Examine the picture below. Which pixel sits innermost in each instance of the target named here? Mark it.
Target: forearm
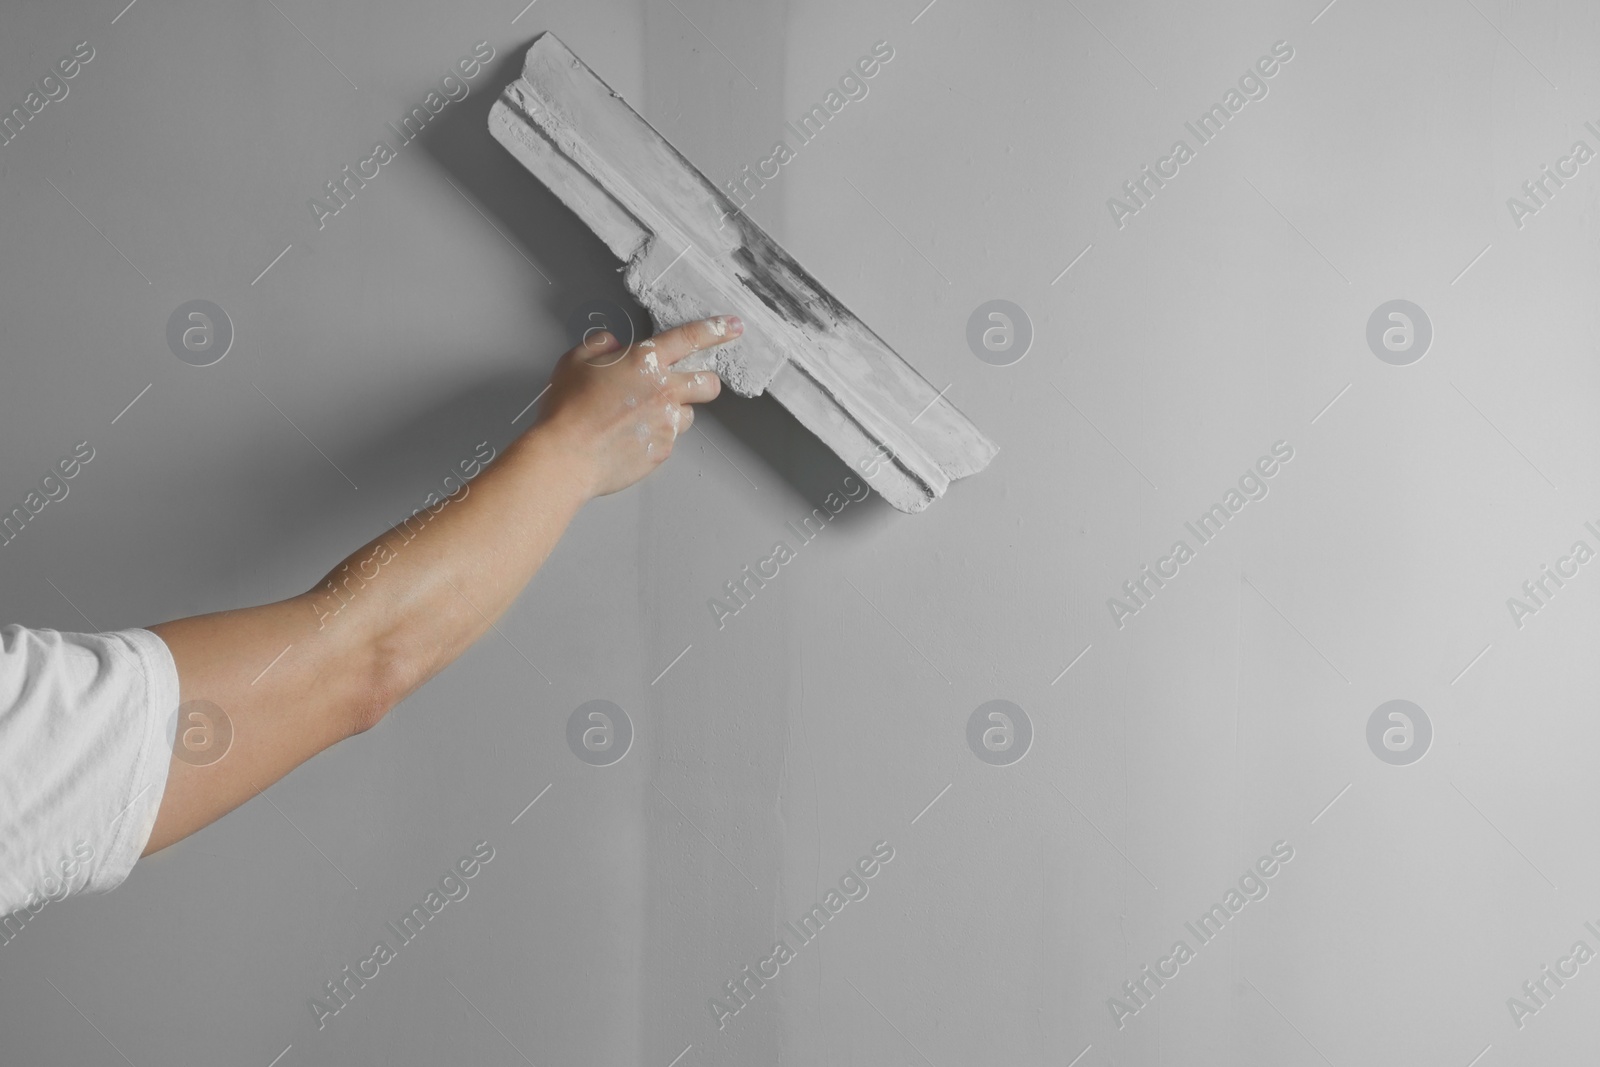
(297, 676)
(294, 677)
(422, 592)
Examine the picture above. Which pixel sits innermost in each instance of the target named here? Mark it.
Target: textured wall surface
(1182, 730)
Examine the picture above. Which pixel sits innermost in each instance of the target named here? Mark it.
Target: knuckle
(699, 386)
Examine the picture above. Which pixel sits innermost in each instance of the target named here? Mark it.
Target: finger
(682, 421)
(673, 422)
(680, 341)
(695, 388)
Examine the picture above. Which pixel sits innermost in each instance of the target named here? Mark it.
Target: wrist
(564, 469)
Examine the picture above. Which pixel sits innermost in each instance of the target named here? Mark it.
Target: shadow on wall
(419, 446)
(581, 269)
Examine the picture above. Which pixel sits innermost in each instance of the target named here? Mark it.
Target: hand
(616, 411)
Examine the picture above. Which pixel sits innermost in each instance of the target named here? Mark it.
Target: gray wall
(1224, 717)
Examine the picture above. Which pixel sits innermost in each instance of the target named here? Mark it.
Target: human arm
(297, 676)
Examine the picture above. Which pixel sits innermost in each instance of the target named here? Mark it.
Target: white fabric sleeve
(87, 723)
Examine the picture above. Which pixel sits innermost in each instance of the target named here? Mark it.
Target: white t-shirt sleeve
(86, 729)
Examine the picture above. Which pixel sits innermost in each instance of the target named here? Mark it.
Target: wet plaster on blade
(690, 253)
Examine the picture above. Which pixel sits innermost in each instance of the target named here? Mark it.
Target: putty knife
(690, 252)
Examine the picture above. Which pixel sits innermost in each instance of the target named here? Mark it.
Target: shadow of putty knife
(690, 253)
